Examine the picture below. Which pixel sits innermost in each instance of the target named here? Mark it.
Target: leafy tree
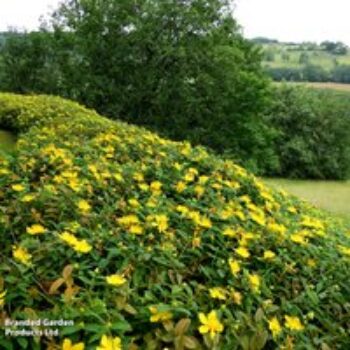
(180, 67)
(313, 129)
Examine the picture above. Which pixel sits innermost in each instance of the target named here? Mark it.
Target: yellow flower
(229, 232)
(134, 202)
(205, 222)
(254, 281)
(236, 297)
(218, 293)
(84, 206)
(269, 255)
(110, 343)
(136, 229)
(128, 220)
(199, 190)
(180, 186)
(68, 238)
(293, 323)
(275, 327)
(344, 250)
(18, 187)
(36, 229)
(82, 246)
(159, 221)
(2, 298)
(22, 255)
(68, 345)
(156, 187)
(298, 238)
(210, 324)
(243, 252)
(159, 316)
(27, 198)
(234, 266)
(116, 280)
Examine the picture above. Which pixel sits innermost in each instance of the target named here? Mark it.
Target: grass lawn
(333, 196)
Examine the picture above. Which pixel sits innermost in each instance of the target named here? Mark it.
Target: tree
(181, 67)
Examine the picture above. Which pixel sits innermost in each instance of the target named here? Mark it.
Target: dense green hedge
(152, 244)
(313, 133)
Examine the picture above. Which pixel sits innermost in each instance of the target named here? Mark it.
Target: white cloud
(23, 13)
(295, 20)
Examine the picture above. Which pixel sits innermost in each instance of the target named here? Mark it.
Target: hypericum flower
(128, 220)
(269, 255)
(210, 324)
(218, 293)
(68, 345)
(159, 316)
(82, 246)
(116, 280)
(254, 281)
(21, 254)
(293, 323)
(236, 297)
(180, 186)
(275, 327)
(84, 206)
(160, 221)
(110, 343)
(68, 238)
(36, 229)
(344, 250)
(156, 186)
(205, 222)
(234, 266)
(258, 217)
(229, 232)
(298, 238)
(18, 187)
(243, 252)
(136, 229)
(2, 298)
(199, 190)
(134, 202)
(27, 198)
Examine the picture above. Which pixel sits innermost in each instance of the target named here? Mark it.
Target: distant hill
(306, 61)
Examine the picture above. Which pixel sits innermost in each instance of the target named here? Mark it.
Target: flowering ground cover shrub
(146, 243)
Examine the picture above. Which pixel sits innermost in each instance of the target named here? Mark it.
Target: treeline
(182, 69)
(311, 73)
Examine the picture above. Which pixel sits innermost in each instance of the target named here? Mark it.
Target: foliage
(149, 243)
(181, 68)
(314, 133)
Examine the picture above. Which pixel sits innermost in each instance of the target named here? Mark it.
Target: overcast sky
(287, 20)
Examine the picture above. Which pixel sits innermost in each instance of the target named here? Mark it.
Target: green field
(334, 196)
(283, 55)
(330, 86)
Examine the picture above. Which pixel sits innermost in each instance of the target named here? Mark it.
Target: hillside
(306, 61)
(147, 243)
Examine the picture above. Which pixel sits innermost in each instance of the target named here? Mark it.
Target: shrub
(157, 244)
(180, 68)
(314, 133)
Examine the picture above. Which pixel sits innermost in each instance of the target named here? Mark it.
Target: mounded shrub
(147, 243)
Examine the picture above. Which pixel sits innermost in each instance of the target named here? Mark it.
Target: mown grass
(333, 196)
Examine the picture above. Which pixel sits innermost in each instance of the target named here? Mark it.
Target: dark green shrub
(314, 133)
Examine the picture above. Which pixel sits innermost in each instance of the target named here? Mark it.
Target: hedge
(146, 243)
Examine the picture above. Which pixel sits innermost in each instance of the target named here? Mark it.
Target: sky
(285, 20)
